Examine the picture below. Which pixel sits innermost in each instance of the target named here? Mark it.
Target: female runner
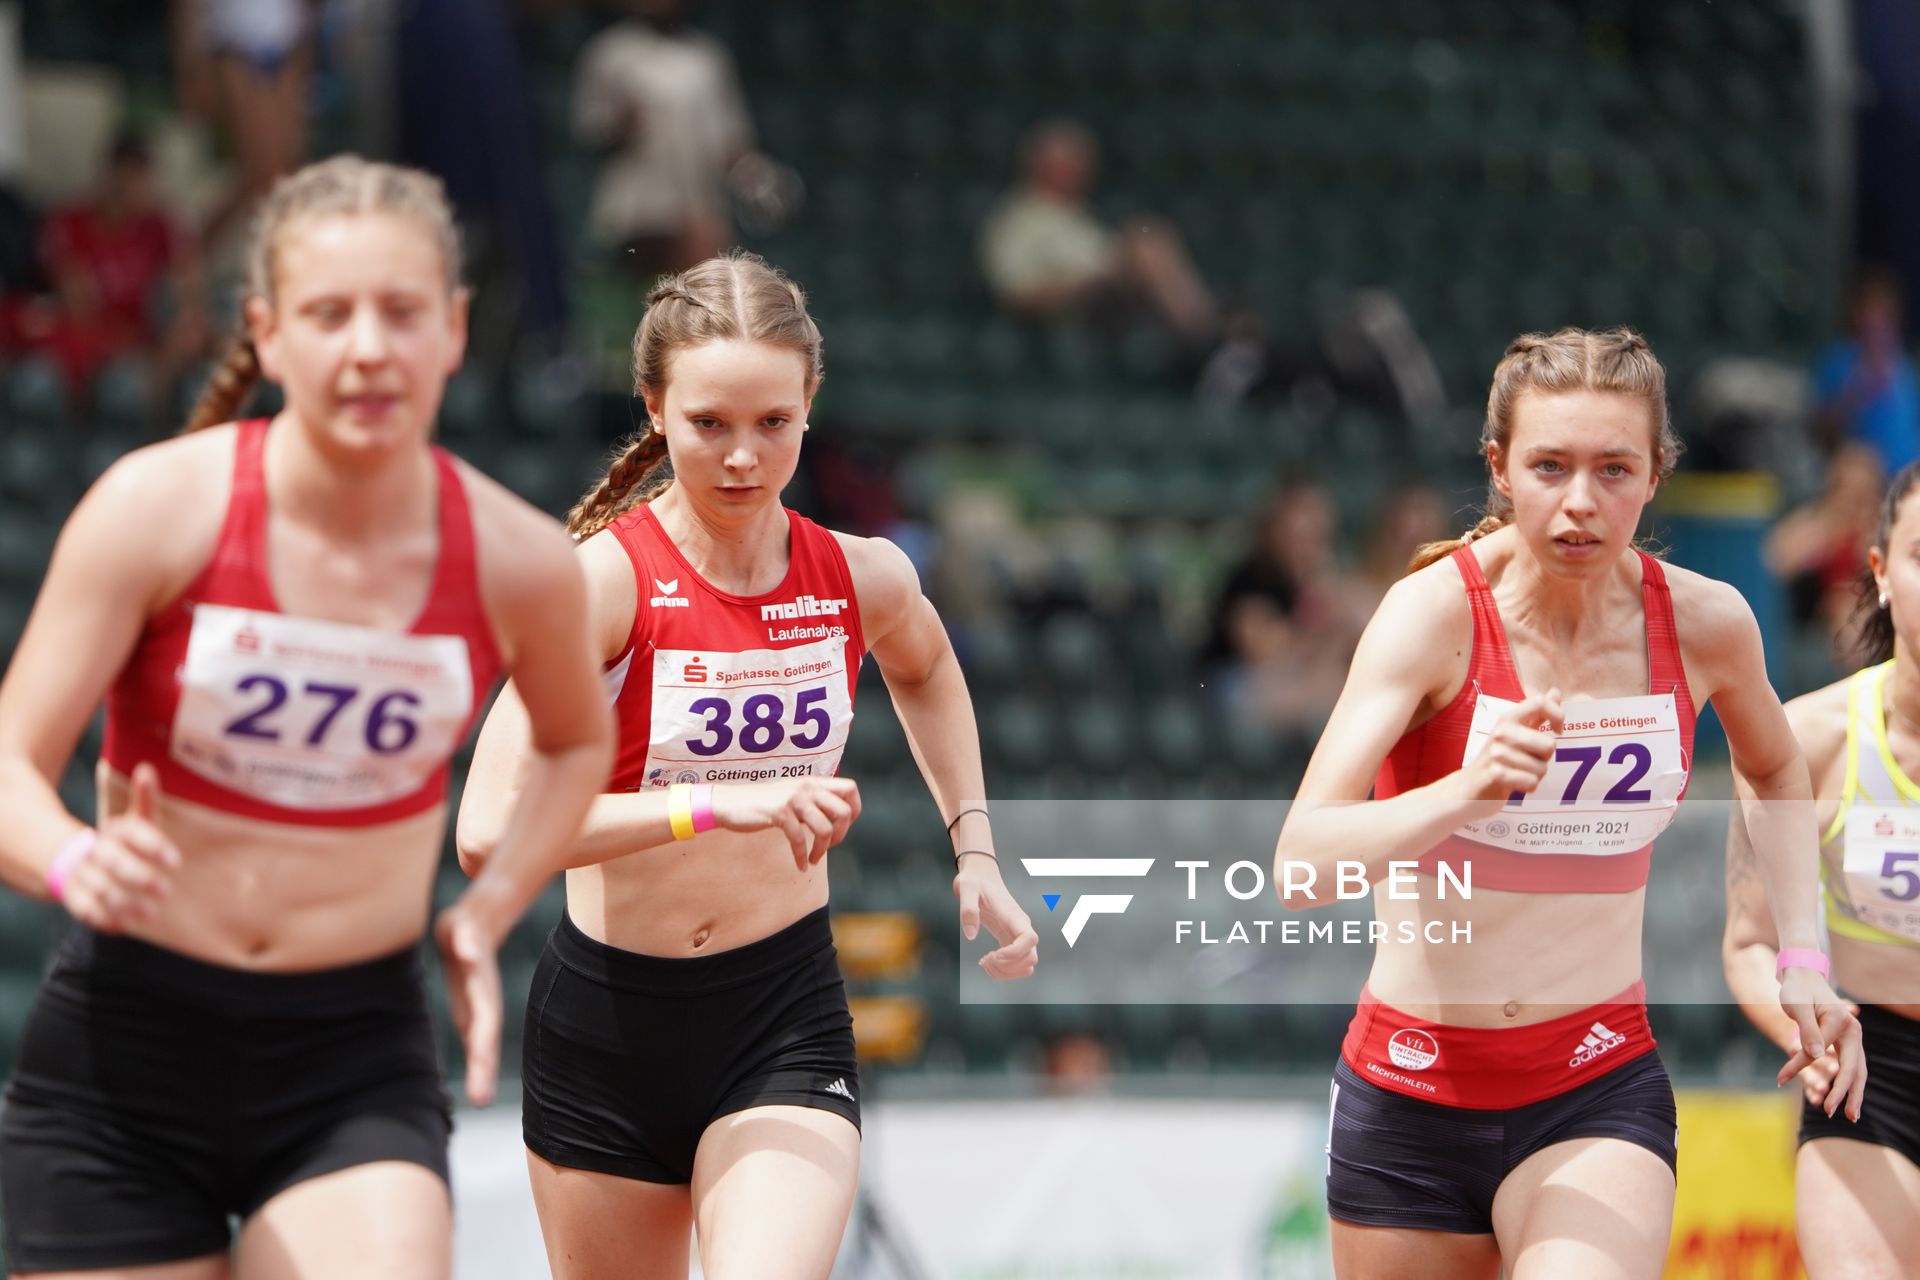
(1521, 709)
(1857, 1185)
(293, 623)
(689, 1054)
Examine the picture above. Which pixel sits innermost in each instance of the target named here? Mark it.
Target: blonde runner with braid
(688, 1031)
(292, 622)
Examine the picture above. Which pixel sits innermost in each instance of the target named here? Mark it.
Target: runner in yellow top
(1857, 1181)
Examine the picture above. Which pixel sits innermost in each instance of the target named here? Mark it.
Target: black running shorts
(1890, 1112)
(1395, 1161)
(157, 1095)
(628, 1058)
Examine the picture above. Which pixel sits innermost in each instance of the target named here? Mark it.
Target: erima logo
(1599, 1039)
(667, 599)
(804, 607)
(840, 1087)
(1091, 904)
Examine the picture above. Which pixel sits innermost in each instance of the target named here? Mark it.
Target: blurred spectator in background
(245, 66)
(464, 115)
(1818, 550)
(1045, 254)
(1864, 384)
(1077, 1064)
(662, 102)
(1287, 618)
(108, 260)
(1412, 515)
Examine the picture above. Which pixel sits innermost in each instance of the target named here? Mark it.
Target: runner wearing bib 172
(689, 1051)
(290, 649)
(1857, 1185)
(1518, 719)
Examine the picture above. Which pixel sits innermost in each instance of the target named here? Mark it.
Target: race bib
(748, 716)
(1882, 868)
(1614, 783)
(317, 715)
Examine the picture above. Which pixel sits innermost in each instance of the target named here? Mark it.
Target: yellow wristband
(680, 810)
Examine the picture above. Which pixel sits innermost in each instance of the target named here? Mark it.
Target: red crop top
(714, 687)
(1436, 748)
(252, 711)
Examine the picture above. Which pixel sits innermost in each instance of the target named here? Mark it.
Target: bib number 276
(388, 728)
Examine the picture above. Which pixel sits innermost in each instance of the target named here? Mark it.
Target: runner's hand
(469, 954)
(813, 813)
(1517, 751)
(984, 900)
(129, 874)
(1825, 1024)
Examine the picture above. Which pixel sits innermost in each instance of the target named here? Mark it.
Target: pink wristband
(703, 807)
(76, 850)
(1800, 958)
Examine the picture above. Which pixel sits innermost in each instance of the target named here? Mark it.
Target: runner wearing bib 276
(1492, 1092)
(293, 624)
(1857, 1185)
(689, 1052)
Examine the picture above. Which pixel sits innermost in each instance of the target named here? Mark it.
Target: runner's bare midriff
(722, 891)
(277, 897)
(1533, 956)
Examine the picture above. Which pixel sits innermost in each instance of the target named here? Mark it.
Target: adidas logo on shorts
(840, 1087)
(1599, 1039)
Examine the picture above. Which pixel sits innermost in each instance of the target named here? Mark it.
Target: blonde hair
(1615, 360)
(736, 296)
(344, 184)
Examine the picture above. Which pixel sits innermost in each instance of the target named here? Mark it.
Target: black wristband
(963, 813)
(959, 854)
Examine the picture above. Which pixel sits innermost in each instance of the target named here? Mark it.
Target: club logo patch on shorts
(1412, 1050)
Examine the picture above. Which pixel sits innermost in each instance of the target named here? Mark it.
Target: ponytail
(633, 477)
(1428, 552)
(228, 387)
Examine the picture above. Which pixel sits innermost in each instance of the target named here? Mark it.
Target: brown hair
(737, 296)
(345, 184)
(1617, 360)
(1873, 621)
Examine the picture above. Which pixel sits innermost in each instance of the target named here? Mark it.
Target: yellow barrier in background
(1733, 1213)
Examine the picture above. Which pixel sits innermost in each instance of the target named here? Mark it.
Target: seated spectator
(662, 103)
(1864, 384)
(1819, 550)
(106, 259)
(1045, 254)
(1413, 515)
(1288, 616)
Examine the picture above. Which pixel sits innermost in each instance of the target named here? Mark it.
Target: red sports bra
(1436, 748)
(714, 687)
(252, 711)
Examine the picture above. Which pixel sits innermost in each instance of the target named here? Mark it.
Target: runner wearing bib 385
(293, 624)
(1857, 1185)
(1519, 716)
(689, 1051)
